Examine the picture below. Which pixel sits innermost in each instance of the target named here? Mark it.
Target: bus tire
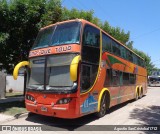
(137, 95)
(103, 106)
(140, 94)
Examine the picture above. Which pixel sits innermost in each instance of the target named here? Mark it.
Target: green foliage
(116, 32)
(19, 25)
(149, 65)
(20, 21)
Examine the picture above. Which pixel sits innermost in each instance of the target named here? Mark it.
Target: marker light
(64, 101)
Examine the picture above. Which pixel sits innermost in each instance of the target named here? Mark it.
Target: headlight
(30, 97)
(64, 101)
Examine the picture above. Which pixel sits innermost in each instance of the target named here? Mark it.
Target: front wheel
(103, 107)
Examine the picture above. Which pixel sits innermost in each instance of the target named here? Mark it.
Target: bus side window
(86, 77)
(108, 80)
(123, 52)
(106, 43)
(91, 37)
(132, 78)
(115, 78)
(125, 78)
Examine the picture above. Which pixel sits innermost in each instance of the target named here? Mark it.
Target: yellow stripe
(74, 67)
(98, 67)
(140, 89)
(136, 90)
(100, 97)
(17, 67)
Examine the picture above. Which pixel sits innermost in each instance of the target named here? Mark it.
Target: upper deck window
(67, 33)
(60, 34)
(44, 37)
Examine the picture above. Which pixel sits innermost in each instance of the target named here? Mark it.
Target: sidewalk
(5, 118)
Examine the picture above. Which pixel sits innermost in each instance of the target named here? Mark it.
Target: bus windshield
(67, 33)
(52, 71)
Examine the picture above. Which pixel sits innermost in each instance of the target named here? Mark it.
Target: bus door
(89, 68)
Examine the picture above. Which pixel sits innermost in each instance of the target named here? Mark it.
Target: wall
(16, 85)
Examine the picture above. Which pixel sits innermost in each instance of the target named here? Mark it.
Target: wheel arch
(104, 90)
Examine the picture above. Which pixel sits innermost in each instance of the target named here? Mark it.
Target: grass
(13, 94)
(12, 108)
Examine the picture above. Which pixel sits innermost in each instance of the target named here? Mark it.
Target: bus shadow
(80, 124)
(58, 124)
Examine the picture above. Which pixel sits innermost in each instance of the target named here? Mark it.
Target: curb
(17, 116)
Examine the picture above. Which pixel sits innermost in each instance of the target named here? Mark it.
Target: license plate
(43, 109)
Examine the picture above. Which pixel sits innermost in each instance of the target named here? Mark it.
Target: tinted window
(66, 34)
(91, 44)
(44, 37)
(135, 59)
(130, 56)
(115, 78)
(132, 78)
(90, 57)
(123, 52)
(108, 80)
(112, 46)
(125, 78)
(91, 36)
(116, 48)
(106, 43)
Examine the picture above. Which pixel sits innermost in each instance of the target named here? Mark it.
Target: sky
(140, 17)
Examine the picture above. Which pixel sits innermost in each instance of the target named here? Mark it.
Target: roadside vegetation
(13, 108)
(21, 21)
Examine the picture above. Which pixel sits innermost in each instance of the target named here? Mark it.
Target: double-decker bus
(154, 79)
(75, 68)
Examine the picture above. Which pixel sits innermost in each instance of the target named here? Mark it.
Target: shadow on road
(149, 116)
(71, 124)
(61, 124)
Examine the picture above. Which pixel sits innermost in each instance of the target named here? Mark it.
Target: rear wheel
(103, 106)
(141, 94)
(137, 96)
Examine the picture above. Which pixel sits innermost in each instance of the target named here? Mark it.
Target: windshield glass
(36, 73)
(44, 37)
(154, 79)
(66, 33)
(56, 72)
(60, 34)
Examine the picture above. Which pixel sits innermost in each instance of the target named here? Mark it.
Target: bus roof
(87, 22)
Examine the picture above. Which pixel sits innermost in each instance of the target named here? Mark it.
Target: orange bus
(75, 68)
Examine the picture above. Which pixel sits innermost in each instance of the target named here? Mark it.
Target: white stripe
(122, 96)
(93, 103)
(31, 105)
(59, 108)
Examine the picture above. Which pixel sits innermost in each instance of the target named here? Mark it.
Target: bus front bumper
(64, 111)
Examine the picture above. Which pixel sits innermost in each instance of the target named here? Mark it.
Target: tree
(19, 25)
(149, 65)
(20, 22)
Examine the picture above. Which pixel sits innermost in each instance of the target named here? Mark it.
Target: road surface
(145, 111)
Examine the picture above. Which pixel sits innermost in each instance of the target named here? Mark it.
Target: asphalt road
(145, 111)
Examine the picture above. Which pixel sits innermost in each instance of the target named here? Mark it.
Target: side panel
(126, 89)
